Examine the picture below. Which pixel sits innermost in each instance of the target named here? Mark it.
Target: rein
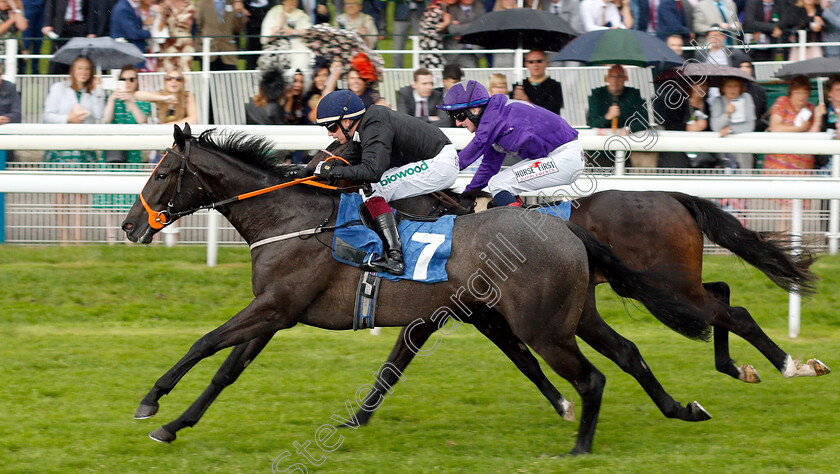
(161, 219)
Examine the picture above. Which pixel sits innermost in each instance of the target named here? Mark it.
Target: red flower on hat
(364, 67)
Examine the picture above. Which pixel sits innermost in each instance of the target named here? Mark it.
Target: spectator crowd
(291, 86)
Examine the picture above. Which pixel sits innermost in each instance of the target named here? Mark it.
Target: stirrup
(384, 264)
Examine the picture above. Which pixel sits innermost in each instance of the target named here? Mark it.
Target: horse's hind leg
(739, 321)
(723, 361)
(604, 339)
(256, 320)
(406, 347)
(236, 362)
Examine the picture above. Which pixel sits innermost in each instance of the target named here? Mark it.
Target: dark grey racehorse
(498, 271)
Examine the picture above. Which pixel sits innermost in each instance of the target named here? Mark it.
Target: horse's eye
(161, 176)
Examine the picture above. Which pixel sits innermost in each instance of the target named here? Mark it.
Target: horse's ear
(180, 138)
(187, 130)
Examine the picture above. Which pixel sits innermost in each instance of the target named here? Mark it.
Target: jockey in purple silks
(547, 144)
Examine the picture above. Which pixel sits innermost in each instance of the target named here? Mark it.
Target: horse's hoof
(145, 411)
(698, 412)
(749, 375)
(819, 367)
(568, 410)
(162, 436)
(577, 452)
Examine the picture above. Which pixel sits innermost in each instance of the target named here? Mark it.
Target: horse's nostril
(127, 227)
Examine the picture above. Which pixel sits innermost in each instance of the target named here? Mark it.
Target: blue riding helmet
(464, 95)
(338, 105)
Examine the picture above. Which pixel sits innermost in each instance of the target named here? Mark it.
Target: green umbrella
(618, 46)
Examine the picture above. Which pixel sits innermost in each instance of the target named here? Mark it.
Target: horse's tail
(770, 252)
(668, 307)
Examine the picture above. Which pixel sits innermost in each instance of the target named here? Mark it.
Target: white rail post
(415, 51)
(10, 70)
(834, 210)
(795, 300)
(205, 80)
(620, 158)
(170, 234)
(802, 37)
(212, 238)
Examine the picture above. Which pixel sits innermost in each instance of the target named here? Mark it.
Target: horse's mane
(258, 151)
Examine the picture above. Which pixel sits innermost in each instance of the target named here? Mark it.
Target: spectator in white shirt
(600, 15)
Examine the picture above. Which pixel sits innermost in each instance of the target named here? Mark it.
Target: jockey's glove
(328, 170)
(300, 171)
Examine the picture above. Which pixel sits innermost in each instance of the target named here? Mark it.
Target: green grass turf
(87, 330)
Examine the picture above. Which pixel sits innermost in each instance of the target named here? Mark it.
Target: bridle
(160, 219)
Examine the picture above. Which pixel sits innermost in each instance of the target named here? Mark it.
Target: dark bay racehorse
(654, 231)
(537, 287)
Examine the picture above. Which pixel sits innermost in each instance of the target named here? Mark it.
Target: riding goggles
(459, 115)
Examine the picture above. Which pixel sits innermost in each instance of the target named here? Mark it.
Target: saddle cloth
(561, 209)
(426, 245)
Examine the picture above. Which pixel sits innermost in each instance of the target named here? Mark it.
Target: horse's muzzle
(134, 233)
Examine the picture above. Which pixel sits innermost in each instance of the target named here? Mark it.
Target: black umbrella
(815, 67)
(705, 70)
(519, 28)
(619, 46)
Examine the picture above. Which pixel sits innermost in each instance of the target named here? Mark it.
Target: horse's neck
(275, 213)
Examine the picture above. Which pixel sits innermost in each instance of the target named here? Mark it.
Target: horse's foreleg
(603, 338)
(404, 351)
(257, 319)
(739, 321)
(564, 356)
(231, 368)
(500, 333)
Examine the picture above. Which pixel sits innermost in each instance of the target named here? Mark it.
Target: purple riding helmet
(462, 97)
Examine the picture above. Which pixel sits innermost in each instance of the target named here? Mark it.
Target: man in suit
(568, 10)
(758, 20)
(66, 18)
(463, 14)
(218, 19)
(711, 14)
(126, 23)
(100, 17)
(675, 17)
(421, 98)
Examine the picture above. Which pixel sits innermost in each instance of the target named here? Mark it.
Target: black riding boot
(386, 226)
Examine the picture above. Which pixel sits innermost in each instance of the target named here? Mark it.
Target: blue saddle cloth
(426, 245)
(561, 209)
